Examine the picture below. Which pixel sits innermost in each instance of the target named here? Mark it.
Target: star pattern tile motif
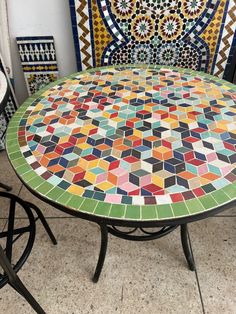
(131, 136)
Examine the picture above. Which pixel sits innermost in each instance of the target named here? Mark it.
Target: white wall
(41, 18)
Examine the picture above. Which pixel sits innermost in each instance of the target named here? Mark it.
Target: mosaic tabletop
(131, 142)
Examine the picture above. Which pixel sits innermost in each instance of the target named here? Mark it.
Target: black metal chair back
(4, 96)
(9, 236)
(12, 233)
(6, 93)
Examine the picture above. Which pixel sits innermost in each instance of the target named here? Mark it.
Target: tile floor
(149, 277)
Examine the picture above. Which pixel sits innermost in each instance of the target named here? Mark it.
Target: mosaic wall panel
(38, 59)
(193, 34)
(9, 111)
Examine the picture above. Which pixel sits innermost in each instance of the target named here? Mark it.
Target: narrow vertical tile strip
(38, 59)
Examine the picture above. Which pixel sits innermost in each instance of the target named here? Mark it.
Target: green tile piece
(28, 176)
(88, 205)
(194, 206)
(164, 211)
(179, 209)
(132, 212)
(64, 198)
(54, 193)
(220, 197)
(208, 201)
(18, 162)
(44, 188)
(117, 211)
(230, 190)
(75, 202)
(15, 155)
(12, 147)
(11, 128)
(149, 212)
(35, 182)
(102, 209)
(23, 169)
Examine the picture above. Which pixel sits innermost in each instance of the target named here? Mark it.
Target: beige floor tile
(7, 173)
(7, 176)
(2, 223)
(214, 245)
(149, 277)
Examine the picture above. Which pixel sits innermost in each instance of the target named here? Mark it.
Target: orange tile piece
(162, 153)
(210, 176)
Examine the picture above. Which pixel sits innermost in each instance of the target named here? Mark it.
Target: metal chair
(4, 95)
(14, 233)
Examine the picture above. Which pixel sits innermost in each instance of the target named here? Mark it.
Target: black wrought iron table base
(144, 236)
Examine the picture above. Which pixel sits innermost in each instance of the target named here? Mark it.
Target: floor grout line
(228, 216)
(20, 189)
(4, 225)
(196, 275)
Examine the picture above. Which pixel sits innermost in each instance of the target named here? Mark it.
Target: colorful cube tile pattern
(38, 59)
(184, 33)
(132, 142)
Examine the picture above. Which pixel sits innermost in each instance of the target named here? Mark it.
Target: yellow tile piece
(222, 125)
(169, 122)
(91, 177)
(64, 139)
(138, 133)
(103, 164)
(204, 181)
(185, 109)
(31, 119)
(93, 163)
(158, 181)
(105, 186)
(76, 190)
(39, 106)
(84, 145)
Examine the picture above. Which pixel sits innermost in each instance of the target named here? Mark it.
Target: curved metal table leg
(186, 247)
(102, 254)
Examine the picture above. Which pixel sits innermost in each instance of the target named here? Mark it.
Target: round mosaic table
(135, 146)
